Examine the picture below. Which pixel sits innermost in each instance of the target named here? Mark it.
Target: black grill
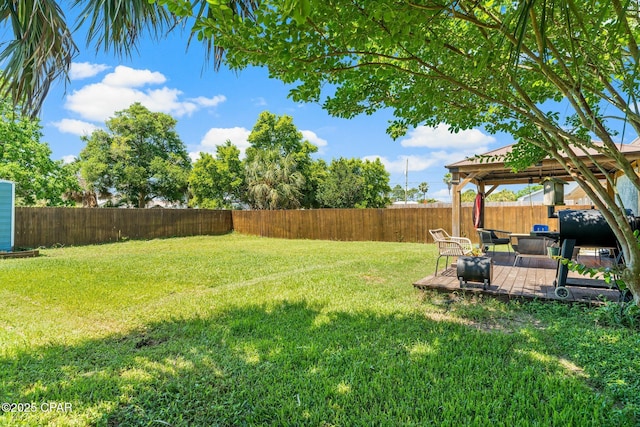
(587, 227)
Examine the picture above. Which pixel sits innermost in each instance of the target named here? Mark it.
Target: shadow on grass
(293, 364)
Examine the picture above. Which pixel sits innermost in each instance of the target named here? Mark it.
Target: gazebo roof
(496, 173)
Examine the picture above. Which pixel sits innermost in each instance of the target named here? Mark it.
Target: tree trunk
(631, 274)
(142, 200)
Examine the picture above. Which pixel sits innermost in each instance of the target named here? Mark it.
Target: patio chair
(450, 246)
(490, 237)
(439, 234)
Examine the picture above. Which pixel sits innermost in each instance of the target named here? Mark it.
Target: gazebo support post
(456, 202)
(456, 208)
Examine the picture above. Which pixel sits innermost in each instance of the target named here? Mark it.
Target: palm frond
(117, 25)
(40, 52)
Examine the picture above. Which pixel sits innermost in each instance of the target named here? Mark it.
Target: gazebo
(489, 174)
(537, 276)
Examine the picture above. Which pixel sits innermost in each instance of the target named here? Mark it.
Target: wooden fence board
(391, 225)
(37, 227)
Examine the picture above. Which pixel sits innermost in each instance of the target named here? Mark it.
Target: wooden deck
(532, 279)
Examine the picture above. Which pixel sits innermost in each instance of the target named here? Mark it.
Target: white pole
(406, 181)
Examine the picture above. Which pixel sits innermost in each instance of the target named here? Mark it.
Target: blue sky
(212, 107)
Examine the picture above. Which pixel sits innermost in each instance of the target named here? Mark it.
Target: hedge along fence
(37, 227)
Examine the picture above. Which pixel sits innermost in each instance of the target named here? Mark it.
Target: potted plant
(553, 250)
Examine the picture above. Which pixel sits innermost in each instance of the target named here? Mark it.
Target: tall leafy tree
(140, 156)
(376, 185)
(344, 184)
(25, 160)
(353, 183)
(217, 182)
(398, 194)
(499, 64)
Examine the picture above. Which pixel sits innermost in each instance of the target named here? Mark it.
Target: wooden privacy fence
(37, 227)
(389, 225)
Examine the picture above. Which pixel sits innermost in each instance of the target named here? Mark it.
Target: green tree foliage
(278, 135)
(344, 184)
(274, 181)
(354, 183)
(25, 160)
(140, 156)
(500, 64)
(318, 174)
(397, 193)
(468, 196)
(376, 185)
(217, 182)
(502, 196)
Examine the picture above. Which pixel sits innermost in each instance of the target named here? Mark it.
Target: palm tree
(423, 187)
(42, 46)
(274, 182)
(448, 179)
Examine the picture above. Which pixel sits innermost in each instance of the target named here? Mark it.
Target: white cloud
(259, 101)
(440, 137)
(124, 86)
(416, 163)
(218, 136)
(443, 195)
(75, 127)
(209, 102)
(131, 77)
(68, 159)
(83, 70)
(313, 138)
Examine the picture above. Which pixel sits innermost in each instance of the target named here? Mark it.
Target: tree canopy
(280, 136)
(352, 183)
(217, 182)
(25, 160)
(278, 172)
(140, 156)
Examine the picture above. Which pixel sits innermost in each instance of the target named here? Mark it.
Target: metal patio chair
(490, 237)
(450, 246)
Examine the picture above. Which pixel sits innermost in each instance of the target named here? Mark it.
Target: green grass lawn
(237, 330)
